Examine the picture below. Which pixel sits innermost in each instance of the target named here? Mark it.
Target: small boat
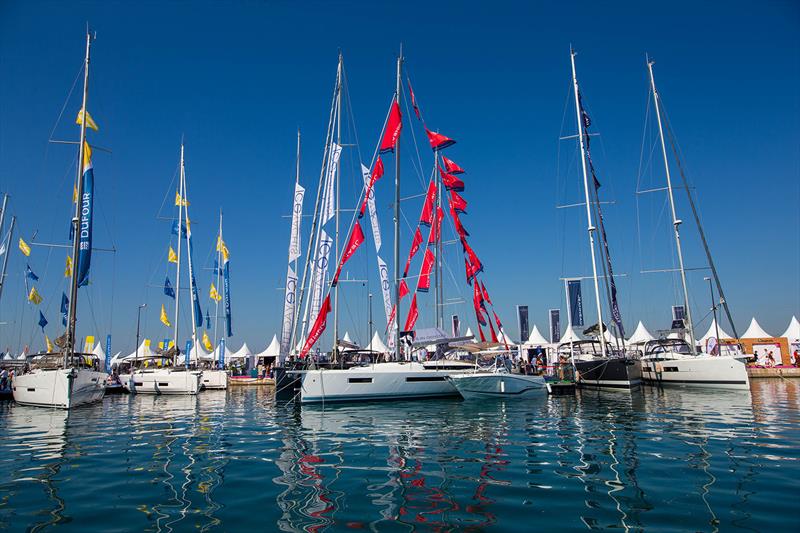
(176, 380)
(114, 385)
(247, 381)
(497, 383)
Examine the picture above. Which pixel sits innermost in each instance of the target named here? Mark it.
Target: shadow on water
(655, 458)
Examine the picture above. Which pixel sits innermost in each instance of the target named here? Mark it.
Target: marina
(498, 288)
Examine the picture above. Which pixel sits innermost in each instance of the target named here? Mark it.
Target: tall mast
(73, 287)
(181, 198)
(675, 220)
(591, 227)
(396, 332)
(8, 246)
(219, 278)
(336, 210)
(192, 289)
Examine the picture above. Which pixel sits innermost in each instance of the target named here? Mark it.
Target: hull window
(359, 380)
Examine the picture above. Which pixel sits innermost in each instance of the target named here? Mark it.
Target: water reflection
(671, 458)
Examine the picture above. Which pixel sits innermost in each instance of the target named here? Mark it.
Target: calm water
(670, 460)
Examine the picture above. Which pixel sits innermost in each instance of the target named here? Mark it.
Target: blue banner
(575, 302)
(555, 325)
(221, 355)
(84, 259)
(198, 313)
(226, 277)
(108, 353)
(187, 354)
(64, 309)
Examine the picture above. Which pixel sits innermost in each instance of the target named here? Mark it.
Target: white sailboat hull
(384, 381)
(498, 385)
(59, 388)
(723, 372)
(214, 379)
(163, 381)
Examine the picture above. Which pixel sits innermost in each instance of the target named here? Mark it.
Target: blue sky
(237, 80)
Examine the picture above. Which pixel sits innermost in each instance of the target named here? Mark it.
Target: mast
(591, 227)
(73, 286)
(337, 209)
(5, 256)
(396, 332)
(181, 197)
(219, 277)
(675, 220)
(7, 244)
(192, 289)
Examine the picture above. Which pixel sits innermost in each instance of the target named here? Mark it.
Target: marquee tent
(640, 335)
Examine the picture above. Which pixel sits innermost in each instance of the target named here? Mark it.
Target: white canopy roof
(503, 336)
(144, 351)
(377, 345)
(793, 331)
(469, 333)
(228, 352)
(7, 357)
(536, 338)
(99, 352)
(755, 331)
(273, 350)
(610, 338)
(242, 353)
(22, 356)
(712, 332)
(571, 335)
(640, 335)
(347, 338)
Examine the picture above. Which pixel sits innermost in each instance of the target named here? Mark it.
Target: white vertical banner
(321, 260)
(386, 287)
(329, 197)
(373, 213)
(289, 302)
(297, 215)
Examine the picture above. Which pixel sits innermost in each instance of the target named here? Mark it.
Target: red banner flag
(469, 272)
(414, 249)
(451, 167)
(413, 314)
(393, 126)
(424, 283)
(477, 302)
(451, 182)
(486, 294)
(460, 229)
(319, 326)
(377, 173)
(457, 202)
(403, 289)
(438, 141)
(414, 101)
(356, 238)
(436, 229)
(497, 321)
(426, 217)
(483, 337)
(491, 330)
(474, 262)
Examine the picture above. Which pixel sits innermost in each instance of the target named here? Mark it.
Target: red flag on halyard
(497, 320)
(403, 289)
(477, 302)
(438, 141)
(486, 294)
(413, 314)
(479, 315)
(457, 202)
(413, 101)
(355, 240)
(319, 326)
(491, 330)
(414, 248)
(377, 173)
(460, 229)
(451, 166)
(469, 272)
(393, 126)
(424, 282)
(483, 337)
(474, 262)
(436, 229)
(451, 182)
(426, 217)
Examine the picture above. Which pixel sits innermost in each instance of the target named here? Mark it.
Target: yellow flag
(89, 122)
(172, 257)
(34, 296)
(207, 342)
(87, 156)
(74, 194)
(179, 201)
(89, 344)
(214, 294)
(221, 247)
(164, 319)
(161, 345)
(68, 268)
(49, 344)
(24, 248)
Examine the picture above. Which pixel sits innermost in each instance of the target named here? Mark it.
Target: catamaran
(175, 379)
(69, 378)
(605, 368)
(674, 361)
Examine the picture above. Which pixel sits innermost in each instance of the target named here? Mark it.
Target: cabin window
(424, 378)
(670, 369)
(359, 380)
(163, 384)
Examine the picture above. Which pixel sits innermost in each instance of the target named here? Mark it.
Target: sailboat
(674, 361)
(69, 379)
(174, 379)
(596, 364)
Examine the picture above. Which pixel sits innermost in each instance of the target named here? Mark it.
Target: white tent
(469, 334)
(503, 337)
(610, 338)
(792, 333)
(755, 331)
(712, 332)
(640, 335)
(571, 335)
(144, 351)
(347, 338)
(7, 357)
(101, 355)
(377, 345)
(536, 338)
(22, 356)
(273, 350)
(242, 353)
(228, 353)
